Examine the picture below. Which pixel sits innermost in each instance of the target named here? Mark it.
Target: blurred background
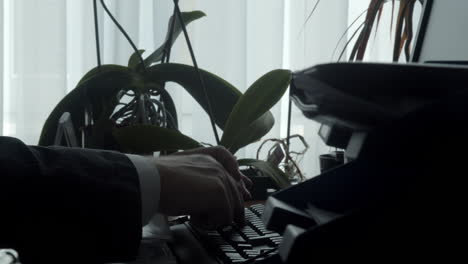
(48, 45)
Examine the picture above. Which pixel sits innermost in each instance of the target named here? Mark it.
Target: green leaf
(222, 95)
(100, 138)
(278, 176)
(96, 92)
(135, 59)
(148, 139)
(257, 100)
(103, 69)
(187, 17)
(254, 132)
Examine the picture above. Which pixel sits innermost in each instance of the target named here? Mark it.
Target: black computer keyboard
(234, 244)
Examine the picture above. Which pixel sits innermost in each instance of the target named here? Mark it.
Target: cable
(197, 70)
(135, 49)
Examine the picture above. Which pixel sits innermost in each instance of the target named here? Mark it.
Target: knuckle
(221, 148)
(215, 165)
(207, 158)
(222, 151)
(204, 159)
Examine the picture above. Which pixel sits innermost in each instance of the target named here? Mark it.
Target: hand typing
(205, 183)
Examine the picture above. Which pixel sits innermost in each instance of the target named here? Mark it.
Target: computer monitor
(442, 36)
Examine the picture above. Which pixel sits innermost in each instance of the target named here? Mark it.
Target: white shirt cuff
(150, 186)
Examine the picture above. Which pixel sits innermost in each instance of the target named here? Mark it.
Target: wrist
(161, 166)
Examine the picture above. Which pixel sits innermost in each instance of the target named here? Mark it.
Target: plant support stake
(200, 78)
(96, 32)
(124, 33)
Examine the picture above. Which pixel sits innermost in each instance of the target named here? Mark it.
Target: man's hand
(205, 183)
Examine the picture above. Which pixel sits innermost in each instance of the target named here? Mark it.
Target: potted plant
(403, 29)
(146, 125)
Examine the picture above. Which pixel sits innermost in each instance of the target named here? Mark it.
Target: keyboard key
(235, 244)
(252, 252)
(249, 232)
(226, 229)
(257, 209)
(243, 246)
(262, 240)
(237, 238)
(234, 255)
(228, 248)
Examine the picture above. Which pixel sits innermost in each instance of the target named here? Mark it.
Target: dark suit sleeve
(68, 205)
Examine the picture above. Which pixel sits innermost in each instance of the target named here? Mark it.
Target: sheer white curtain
(49, 45)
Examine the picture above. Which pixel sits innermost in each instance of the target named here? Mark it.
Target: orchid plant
(127, 108)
